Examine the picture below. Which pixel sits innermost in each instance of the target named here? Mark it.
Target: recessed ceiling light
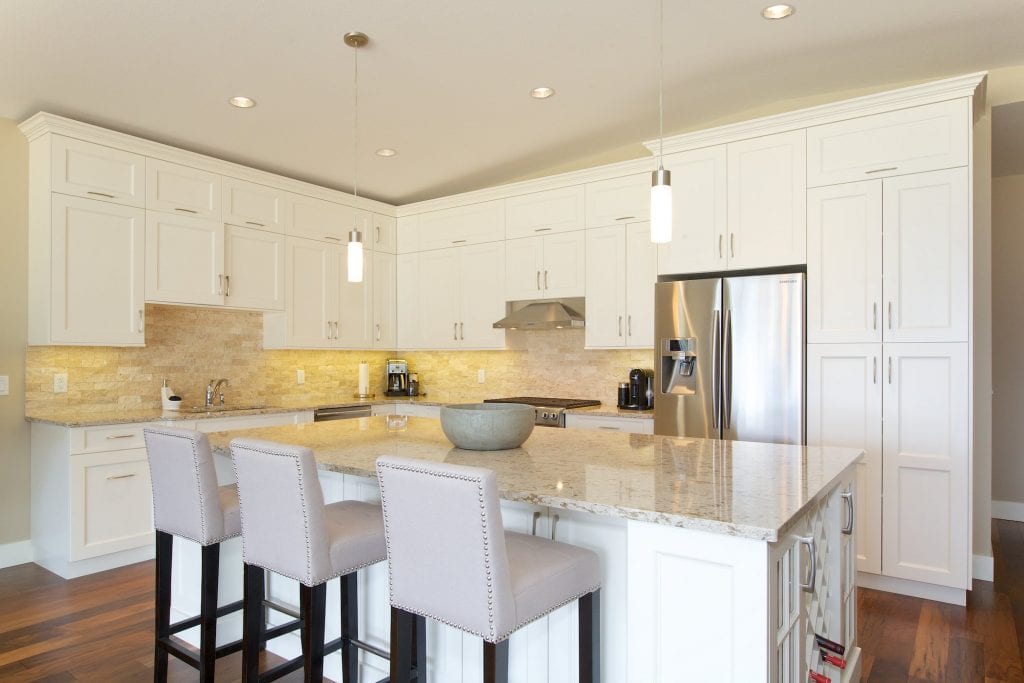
(777, 11)
(386, 152)
(542, 93)
(242, 102)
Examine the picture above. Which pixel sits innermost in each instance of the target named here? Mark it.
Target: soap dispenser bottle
(167, 398)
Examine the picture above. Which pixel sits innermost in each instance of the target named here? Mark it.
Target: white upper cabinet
(524, 265)
(924, 138)
(438, 295)
(408, 234)
(767, 191)
(407, 301)
(311, 290)
(844, 263)
(318, 219)
(97, 264)
(384, 300)
(620, 286)
(641, 276)
(925, 256)
(255, 206)
(481, 295)
(544, 212)
(384, 235)
(90, 170)
(699, 204)
(253, 268)
(470, 224)
(618, 201)
(184, 259)
(354, 326)
(550, 266)
(182, 190)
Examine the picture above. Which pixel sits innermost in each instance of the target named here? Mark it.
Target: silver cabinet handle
(554, 526)
(227, 285)
(890, 315)
(716, 360)
(890, 369)
(720, 246)
(378, 331)
(808, 542)
(874, 316)
(538, 280)
(220, 284)
(545, 280)
(120, 476)
(328, 329)
(542, 229)
(727, 371)
(111, 437)
(336, 332)
(732, 245)
(185, 210)
(376, 232)
(614, 429)
(140, 320)
(258, 225)
(331, 238)
(462, 329)
(848, 499)
(625, 218)
(882, 170)
(620, 325)
(536, 516)
(874, 369)
(455, 331)
(629, 325)
(100, 194)
(458, 241)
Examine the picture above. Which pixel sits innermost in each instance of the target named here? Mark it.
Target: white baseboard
(1008, 509)
(983, 568)
(915, 589)
(18, 552)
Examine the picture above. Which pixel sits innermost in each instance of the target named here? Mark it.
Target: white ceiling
(446, 83)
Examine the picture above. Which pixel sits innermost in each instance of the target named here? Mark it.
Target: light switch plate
(60, 383)
(480, 376)
(300, 376)
(5, 385)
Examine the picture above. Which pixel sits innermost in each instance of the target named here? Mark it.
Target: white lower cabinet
(630, 425)
(621, 272)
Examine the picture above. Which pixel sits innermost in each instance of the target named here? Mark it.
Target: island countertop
(750, 490)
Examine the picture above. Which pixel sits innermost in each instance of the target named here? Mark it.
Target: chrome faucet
(213, 389)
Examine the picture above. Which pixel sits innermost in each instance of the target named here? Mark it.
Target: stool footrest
(179, 626)
(286, 627)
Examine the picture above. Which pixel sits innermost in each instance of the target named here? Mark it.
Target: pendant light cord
(355, 126)
(661, 82)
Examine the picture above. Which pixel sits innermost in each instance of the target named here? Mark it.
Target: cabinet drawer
(223, 424)
(106, 438)
(473, 224)
(110, 503)
(924, 138)
(632, 425)
(182, 190)
(619, 200)
(98, 172)
(320, 220)
(541, 213)
(256, 206)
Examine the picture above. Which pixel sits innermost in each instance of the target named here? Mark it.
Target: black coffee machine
(640, 391)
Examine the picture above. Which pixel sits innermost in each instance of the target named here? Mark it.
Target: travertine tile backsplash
(189, 346)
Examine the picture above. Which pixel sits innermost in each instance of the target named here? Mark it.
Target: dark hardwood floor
(100, 628)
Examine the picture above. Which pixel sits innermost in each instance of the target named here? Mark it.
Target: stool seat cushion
(355, 532)
(546, 574)
(228, 496)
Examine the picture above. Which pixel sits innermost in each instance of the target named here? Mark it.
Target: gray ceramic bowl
(487, 426)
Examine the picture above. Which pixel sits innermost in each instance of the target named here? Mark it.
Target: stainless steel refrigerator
(730, 358)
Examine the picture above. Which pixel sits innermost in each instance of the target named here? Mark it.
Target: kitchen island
(721, 559)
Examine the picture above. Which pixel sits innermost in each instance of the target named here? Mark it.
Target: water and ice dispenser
(679, 366)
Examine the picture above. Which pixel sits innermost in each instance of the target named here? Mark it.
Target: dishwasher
(341, 413)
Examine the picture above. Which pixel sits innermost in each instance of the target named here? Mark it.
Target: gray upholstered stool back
(282, 507)
(185, 498)
(446, 545)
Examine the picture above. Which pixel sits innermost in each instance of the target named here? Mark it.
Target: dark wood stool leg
(313, 601)
(208, 612)
(401, 646)
(164, 549)
(349, 628)
(419, 648)
(253, 624)
(496, 662)
(264, 594)
(590, 637)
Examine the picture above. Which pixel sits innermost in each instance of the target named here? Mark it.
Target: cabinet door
(384, 287)
(319, 219)
(470, 224)
(408, 234)
(641, 275)
(355, 325)
(97, 172)
(184, 259)
(385, 233)
(253, 268)
(606, 287)
(844, 263)
(540, 213)
(182, 190)
(439, 298)
(767, 201)
(481, 295)
(311, 289)
(618, 201)
(912, 140)
(253, 205)
(699, 202)
(524, 266)
(565, 266)
(97, 254)
(926, 256)
(407, 302)
(844, 408)
(926, 474)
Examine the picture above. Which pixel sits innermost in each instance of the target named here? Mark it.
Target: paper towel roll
(364, 378)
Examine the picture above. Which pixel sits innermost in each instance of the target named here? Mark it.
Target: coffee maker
(396, 382)
(641, 390)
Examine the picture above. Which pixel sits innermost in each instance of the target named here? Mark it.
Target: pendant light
(355, 40)
(661, 180)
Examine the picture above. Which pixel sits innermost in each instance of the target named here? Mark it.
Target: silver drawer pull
(614, 429)
(883, 170)
(100, 194)
(120, 476)
(458, 241)
(119, 436)
(185, 210)
(258, 225)
(808, 542)
(625, 218)
(333, 239)
(542, 229)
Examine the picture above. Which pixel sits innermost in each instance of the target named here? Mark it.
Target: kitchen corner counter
(748, 490)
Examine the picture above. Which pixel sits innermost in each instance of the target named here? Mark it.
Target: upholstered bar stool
(287, 529)
(187, 502)
(450, 559)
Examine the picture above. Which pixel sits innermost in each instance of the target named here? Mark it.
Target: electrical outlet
(5, 385)
(60, 383)
(300, 376)
(480, 376)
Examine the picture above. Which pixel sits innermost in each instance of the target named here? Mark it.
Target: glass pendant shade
(661, 206)
(355, 257)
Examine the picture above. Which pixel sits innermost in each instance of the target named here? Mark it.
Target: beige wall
(982, 360)
(14, 433)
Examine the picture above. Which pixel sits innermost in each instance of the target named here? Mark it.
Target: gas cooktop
(550, 411)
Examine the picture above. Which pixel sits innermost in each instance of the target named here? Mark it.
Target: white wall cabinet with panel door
(844, 408)
(383, 236)
(94, 282)
(184, 259)
(437, 293)
(767, 189)
(383, 273)
(549, 211)
(621, 272)
(926, 470)
(699, 206)
(182, 190)
(470, 224)
(254, 270)
(544, 267)
(354, 325)
(311, 292)
(86, 169)
(409, 333)
(254, 206)
(319, 219)
(618, 201)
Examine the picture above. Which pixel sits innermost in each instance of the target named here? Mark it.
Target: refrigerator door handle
(727, 371)
(716, 357)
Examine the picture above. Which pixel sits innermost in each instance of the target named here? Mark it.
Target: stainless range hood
(540, 315)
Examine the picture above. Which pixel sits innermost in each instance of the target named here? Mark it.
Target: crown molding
(969, 85)
(44, 123)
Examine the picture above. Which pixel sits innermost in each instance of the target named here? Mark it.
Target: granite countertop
(750, 490)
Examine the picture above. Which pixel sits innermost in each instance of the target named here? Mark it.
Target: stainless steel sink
(220, 409)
